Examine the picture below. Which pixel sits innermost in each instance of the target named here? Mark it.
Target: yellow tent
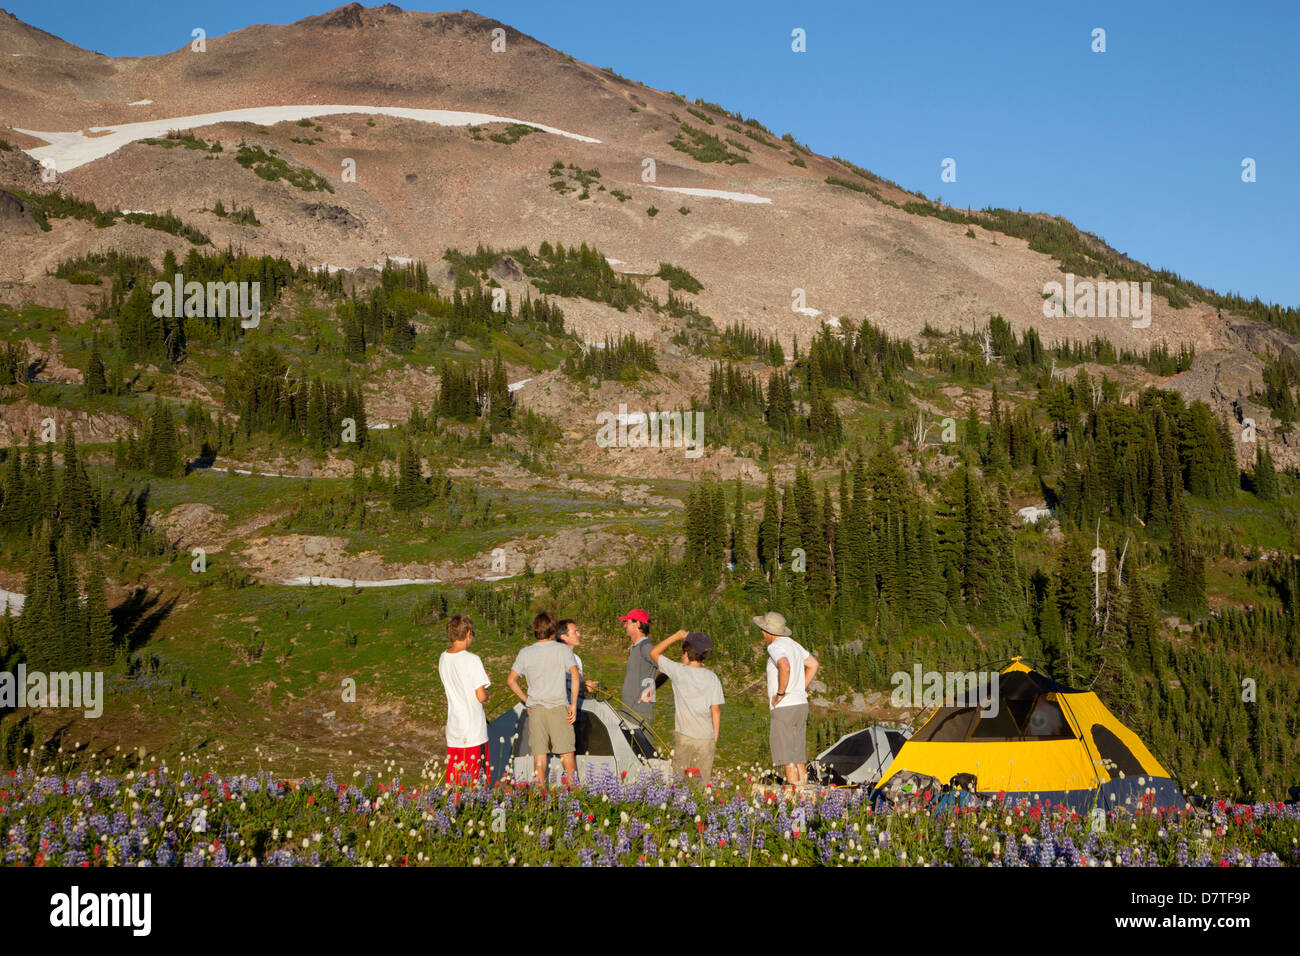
(1044, 741)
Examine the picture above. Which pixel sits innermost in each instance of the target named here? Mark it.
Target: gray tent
(860, 757)
(606, 740)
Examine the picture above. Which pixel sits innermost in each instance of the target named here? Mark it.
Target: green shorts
(549, 730)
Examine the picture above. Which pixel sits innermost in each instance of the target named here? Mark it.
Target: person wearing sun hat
(642, 676)
(697, 700)
(790, 669)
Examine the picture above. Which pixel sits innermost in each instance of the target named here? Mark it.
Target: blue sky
(1142, 144)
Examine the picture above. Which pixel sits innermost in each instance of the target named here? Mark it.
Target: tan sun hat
(773, 623)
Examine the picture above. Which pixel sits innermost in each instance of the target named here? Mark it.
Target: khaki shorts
(789, 737)
(549, 730)
(690, 752)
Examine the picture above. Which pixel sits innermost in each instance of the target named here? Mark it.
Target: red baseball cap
(636, 615)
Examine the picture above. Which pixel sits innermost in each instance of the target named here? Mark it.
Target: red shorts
(465, 765)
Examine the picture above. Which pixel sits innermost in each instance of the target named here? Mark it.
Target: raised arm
(667, 642)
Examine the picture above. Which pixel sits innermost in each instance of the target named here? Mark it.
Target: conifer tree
(39, 630)
(1264, 479)
(73, 650)
(971, 434)
(717, 524)
(793, 549)
(12, 495)
(1074, 584)
(981, 561)
(99, 621)
(932, 601)
(96, 382)
(1051, 632)
(500, 400)
(739, 536)
(76, 499)
(1185, 589)
(49, 500)
(858, 579)
(1141, 624)
(769, 531)
(411, 491)
(163, 444)
(828, 525)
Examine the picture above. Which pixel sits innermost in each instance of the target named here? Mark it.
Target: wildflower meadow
(117, 816)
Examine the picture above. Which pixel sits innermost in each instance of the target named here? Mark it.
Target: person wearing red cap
(642, 676)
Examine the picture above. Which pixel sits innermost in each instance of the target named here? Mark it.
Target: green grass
(188, 140)
(273, 168)
(512, 134)
(679, 278)
(855, 186)
(704, 147)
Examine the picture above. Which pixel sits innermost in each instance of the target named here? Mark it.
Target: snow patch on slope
(710, 193)
(68, 150)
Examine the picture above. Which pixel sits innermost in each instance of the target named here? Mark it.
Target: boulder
(506, 268)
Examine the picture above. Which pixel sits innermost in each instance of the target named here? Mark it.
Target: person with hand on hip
(790, 669)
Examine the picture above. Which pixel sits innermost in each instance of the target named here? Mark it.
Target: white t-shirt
(462, 674)
(794, 652)
(695, 691)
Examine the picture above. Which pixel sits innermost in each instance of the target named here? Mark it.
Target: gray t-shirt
(695, 691)
(543, 665)
(641, 673)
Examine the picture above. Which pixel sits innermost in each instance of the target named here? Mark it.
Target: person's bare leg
(793, 773)
(570, 768)
(539, 769)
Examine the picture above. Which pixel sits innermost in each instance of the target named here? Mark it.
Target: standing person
(465, 682)
(544, 665)
(642, 676)
(790, 669)
(697, 698)
(566, 631)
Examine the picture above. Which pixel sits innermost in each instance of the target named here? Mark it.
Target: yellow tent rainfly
(1046, 742)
